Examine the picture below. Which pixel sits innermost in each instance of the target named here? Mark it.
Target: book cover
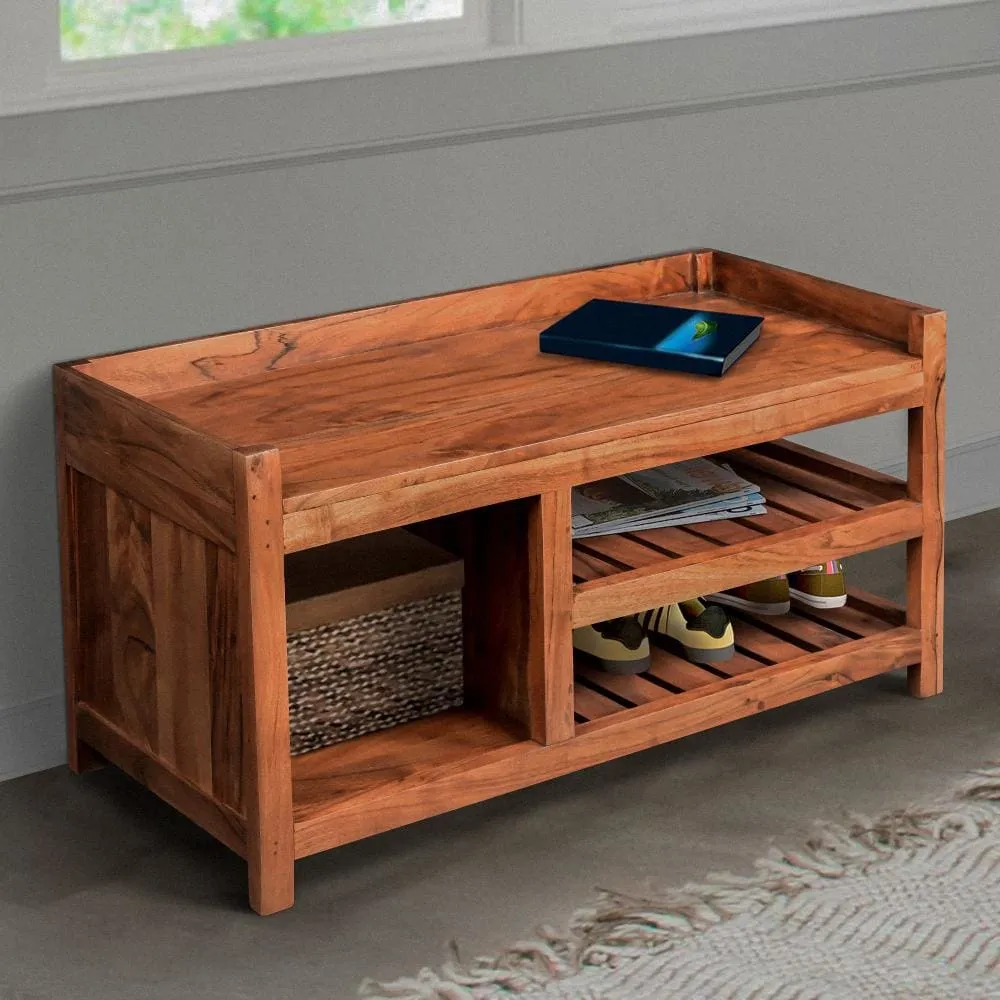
(639, 333)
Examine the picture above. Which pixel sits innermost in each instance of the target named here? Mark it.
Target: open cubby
(211, 489)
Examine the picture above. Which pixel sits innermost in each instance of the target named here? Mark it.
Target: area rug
(905, 906)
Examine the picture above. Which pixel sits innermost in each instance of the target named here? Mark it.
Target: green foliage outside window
(93, 29)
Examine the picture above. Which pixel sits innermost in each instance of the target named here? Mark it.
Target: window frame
(34, 78)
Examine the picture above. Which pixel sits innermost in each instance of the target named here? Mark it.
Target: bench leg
(267, 762)
(925, 475)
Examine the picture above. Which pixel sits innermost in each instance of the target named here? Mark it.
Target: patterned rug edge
(618, 928)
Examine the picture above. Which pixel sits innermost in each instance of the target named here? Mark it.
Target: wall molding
(972, 477)
(106, 149)
(31, 735)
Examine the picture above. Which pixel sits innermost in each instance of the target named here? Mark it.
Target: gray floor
(107, 894)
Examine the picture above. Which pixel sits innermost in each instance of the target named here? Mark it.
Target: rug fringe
(619, 926)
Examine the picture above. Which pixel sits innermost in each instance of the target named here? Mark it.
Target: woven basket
(374, 671)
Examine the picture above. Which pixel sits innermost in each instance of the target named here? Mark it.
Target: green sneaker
(703, 632)
(618, 646)
(820, 586)
(765, 597)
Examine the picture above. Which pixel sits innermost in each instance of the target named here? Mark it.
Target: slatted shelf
(763, 643)
(818, 509)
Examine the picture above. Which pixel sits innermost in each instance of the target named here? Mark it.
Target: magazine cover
(681, 493)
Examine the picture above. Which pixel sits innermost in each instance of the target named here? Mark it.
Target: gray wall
(892, 188)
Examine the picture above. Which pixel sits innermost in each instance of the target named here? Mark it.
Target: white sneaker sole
(752, 606)
(812, 601)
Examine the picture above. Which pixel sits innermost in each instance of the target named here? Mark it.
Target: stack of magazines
(682, 493)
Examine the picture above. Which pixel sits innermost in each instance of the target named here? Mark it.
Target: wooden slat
(590, 705)
(313, 519)
(925, 482)
(223, 358)
(725, 532)
(226, 678)
(871, 481)
(807, 633)
(622, 549)
(676, 541)
(331, 821)
(678, 672)
(630, 687)
(852, 621)
(131, 700)
(160, 778)
(875, 604)
(587, 566)
(877, 315)
(267, 775)
(766, 556)
(774, 520)
(814, 482)
(785, 496)
(183, 670)
(737, 664)
(764, 645)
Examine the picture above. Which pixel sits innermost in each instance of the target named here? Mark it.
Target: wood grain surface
(550, 608)
(170, 461)
(493, 484)
(362, 575)
(183, 669)
(761, 642)
(844, 305)
(118, 746)
(189, 472)
(353, 805)
(83, 543)
(370, 422)
(677, 579)
(267, 775)
(925, 475)
(226, 357)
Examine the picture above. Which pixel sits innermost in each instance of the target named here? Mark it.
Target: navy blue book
(637, 333)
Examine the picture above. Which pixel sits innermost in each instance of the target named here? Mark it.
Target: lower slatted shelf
(762, 643)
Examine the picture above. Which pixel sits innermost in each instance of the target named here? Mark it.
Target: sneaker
(765, 597)
(703, 632)
(820, 586)
(618, 646)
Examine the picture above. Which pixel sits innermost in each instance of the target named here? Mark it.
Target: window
(68, 53)
(94, 29)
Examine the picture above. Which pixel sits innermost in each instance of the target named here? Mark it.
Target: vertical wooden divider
(267, 763)
(925, 481)
(550, 603)
(517, 604)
